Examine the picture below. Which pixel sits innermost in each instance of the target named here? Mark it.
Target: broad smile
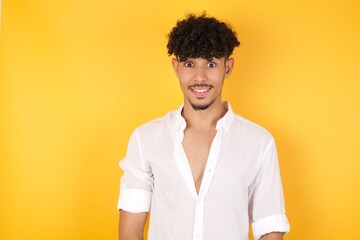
(200, 91)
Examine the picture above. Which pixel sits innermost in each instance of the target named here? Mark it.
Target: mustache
(201, 85)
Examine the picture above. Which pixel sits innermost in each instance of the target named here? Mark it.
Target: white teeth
(201, 91)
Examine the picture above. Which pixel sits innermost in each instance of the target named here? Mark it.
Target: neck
(204, 119)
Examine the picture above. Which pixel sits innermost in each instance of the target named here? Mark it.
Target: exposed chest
(197, 146)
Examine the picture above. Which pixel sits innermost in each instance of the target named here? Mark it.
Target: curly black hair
(201, 36)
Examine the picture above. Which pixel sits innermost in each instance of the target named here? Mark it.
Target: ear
(175, 64)
(229, 64)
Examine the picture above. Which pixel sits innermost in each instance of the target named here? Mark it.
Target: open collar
(225, 122)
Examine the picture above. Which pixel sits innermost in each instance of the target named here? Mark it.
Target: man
(204, 172)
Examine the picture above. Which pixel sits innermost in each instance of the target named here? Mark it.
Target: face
(201, 80)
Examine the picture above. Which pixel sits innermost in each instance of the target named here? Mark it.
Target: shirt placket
(205, 184)
(199, 219)
(185, 171)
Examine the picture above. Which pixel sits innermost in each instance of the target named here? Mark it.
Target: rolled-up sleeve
(137, 181)
(266, 200)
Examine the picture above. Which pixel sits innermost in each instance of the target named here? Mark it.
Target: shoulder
(158, 125)
(250, 130)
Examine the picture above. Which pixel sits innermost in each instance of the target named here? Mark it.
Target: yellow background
(77, 76)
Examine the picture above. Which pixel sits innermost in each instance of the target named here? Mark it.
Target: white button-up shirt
(241, 183)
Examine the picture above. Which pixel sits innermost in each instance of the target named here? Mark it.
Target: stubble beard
(200, 107)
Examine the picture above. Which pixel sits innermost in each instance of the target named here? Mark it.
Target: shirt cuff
(134, 200)
(274, 223)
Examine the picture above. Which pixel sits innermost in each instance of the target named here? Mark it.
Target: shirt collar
(180, 122)
(225, 122)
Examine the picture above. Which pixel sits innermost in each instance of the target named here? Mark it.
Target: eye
(188, 64)
(211, 64)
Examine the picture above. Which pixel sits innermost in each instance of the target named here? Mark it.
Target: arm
(266, 200)
(131, 225)
(273, 236)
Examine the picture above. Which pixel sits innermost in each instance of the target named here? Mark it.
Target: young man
(204, 171)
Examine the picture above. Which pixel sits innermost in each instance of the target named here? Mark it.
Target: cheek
(185, 79)
(184, 75)
(218, 78)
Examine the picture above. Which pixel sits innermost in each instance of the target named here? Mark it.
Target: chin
(199, 107)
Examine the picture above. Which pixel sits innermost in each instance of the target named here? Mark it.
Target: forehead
(213, 59)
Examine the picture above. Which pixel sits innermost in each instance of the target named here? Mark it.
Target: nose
(200, 74)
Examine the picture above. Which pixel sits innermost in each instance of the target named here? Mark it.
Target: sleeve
(136, 184)
(266, 200)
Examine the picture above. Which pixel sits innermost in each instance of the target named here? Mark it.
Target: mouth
(200, 91)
